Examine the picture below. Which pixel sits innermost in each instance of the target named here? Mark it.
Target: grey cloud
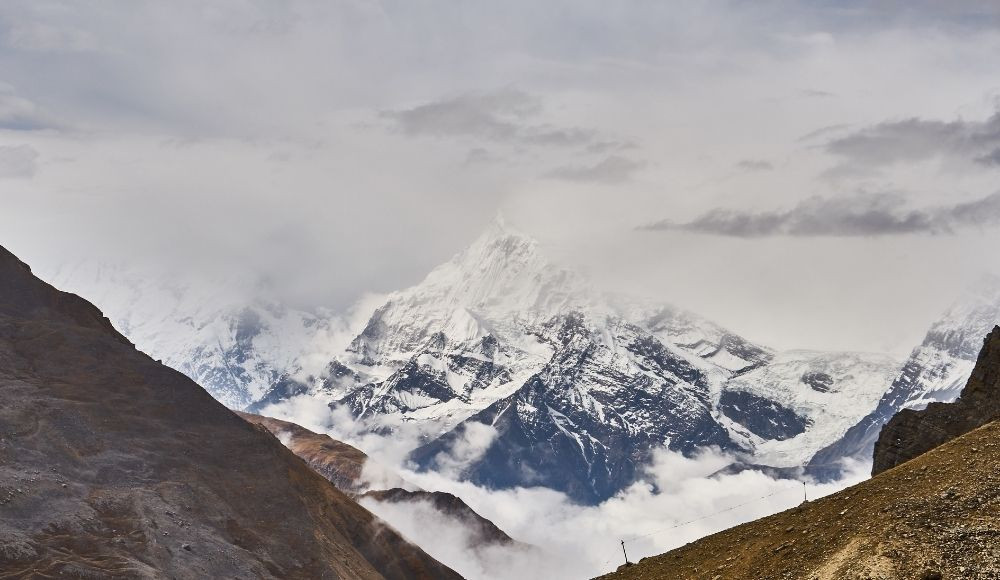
(505, 116)
(814, 93)
(823, 131)
(755, 165)
(478, 155)
(46, 37)
(864, 215)
(495, 116)
(18, 161)
(917, 139)
(20, 114)
(613, 169)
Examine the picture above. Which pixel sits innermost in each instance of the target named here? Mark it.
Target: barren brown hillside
(115, 466)
(936, 516)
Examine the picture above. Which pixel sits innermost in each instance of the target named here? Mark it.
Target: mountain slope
(933, 517)
(116, 466)
(935, 371)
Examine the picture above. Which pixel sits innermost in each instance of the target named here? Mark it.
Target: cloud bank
(861, 215)
(677, 500)
(915, 139)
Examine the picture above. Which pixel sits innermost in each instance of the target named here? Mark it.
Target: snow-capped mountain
(576, 386)
(579, 386)
(936, 370)
(234, 343)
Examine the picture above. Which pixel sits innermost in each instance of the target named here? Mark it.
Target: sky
(811, 174)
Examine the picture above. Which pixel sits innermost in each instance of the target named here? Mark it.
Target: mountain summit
(573, 386)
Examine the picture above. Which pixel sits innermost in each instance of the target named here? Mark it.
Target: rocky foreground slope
(931, 511)
(115, 466)
(937, 516)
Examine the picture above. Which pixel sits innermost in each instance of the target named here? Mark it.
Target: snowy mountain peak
(502, 270)
(960, 330)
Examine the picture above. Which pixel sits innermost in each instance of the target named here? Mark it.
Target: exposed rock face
(115, 466)
(911, 433)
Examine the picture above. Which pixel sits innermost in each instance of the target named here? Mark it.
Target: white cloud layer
(678, 500)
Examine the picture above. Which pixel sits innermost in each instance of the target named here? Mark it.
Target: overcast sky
(811, 174)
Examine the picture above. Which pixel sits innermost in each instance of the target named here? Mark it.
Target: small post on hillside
(804, 497)
(624, 552)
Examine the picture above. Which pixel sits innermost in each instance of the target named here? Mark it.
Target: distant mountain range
(936, 371)
(574, 386)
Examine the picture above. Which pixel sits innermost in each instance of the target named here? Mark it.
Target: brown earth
(937, 516)
(115, 466)
(910, 433)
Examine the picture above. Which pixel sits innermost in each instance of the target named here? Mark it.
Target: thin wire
(704, 517)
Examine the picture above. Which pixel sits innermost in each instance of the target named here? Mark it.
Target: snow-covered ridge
(500, 335)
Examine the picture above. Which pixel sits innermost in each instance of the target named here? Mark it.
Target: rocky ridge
(914, 432)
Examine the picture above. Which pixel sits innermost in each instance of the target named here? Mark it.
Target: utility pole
(624, 552)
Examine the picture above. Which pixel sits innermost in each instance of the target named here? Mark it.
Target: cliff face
(115, 466)
(911, 433)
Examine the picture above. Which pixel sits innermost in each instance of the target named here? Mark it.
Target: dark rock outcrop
(911, 433)
(115, 466)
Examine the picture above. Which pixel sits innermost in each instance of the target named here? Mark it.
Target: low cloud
(913, 140)
(676, 500)
(473, 442)
(611, 170)
(18, 161)
(856, 215)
